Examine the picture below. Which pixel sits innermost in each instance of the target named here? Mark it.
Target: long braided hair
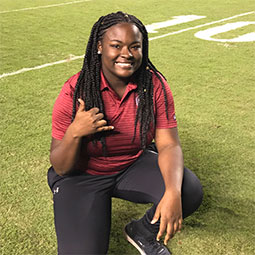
(88, 83)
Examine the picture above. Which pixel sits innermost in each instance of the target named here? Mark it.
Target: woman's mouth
(124, 64)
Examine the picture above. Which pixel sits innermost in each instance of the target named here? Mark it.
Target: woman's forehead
(123, 31)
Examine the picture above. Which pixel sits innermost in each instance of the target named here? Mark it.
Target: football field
(205, 49)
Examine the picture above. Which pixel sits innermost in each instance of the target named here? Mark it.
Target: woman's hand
(88, 122)
(65, 153)
(169, 211)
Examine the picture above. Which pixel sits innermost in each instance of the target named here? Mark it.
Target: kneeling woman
(104, 121)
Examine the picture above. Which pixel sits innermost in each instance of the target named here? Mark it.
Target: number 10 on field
(208, 33)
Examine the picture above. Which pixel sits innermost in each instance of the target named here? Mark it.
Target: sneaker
(144, 241)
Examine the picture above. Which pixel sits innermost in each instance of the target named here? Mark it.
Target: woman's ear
(99, 47)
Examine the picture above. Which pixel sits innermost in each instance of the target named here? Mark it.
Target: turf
(213, 87)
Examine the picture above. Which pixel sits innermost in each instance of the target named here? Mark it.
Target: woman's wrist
(173, 191)
(74, 132)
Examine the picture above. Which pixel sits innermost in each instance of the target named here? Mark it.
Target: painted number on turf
(152, 28)
(208, 33)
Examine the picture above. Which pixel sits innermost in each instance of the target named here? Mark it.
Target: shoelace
(155, 244)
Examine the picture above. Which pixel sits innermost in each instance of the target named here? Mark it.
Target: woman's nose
(126, 52)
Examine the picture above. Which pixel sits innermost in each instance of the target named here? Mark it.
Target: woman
(103, 124)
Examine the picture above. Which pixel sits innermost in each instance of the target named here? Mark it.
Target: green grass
(213, 87)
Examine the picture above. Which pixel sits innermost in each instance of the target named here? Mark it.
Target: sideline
(150, 39)
(44, 6)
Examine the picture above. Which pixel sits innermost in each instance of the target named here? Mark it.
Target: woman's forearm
(170, 161)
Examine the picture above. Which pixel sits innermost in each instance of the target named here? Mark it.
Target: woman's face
(121, 49)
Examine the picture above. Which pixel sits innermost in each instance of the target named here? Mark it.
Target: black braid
(88, 84)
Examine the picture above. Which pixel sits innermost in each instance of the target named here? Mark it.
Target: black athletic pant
(82, 203)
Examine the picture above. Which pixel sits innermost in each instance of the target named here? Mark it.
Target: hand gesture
(89, 122)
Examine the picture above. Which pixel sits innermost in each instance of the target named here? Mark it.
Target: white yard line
(150, 39)
(44, 6)
(41, 66)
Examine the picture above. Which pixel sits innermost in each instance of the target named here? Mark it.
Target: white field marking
(203, 25)
(152, 28)
(208, 33)
(44, 6)
(150, 39)
(41, 66)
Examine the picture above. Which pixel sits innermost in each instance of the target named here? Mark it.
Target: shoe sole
(130, 240)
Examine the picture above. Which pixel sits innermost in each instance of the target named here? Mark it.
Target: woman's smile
(125, 65)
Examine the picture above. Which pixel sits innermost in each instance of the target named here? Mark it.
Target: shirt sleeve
(62, 111)
(161, 120)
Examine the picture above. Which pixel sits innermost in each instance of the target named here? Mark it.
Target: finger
(155, 217)
(99, 116)
(176, 227)
(100, 123)
(180, 225)
(162, 229)
(105, 128)
(81, 106)
(169, 233)
(94, 110)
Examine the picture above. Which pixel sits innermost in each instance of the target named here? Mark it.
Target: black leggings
(82, 203)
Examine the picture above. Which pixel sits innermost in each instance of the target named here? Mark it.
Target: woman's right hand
(65, 153)
(88, 122)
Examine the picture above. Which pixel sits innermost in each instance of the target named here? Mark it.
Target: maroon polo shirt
(120, 113)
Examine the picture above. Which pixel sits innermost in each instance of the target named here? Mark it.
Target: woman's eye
(136, 47)
(116, 46)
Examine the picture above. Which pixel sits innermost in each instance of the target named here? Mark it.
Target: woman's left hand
(169, 211)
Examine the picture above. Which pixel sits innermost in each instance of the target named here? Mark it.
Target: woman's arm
(64, 153)
(170, 160)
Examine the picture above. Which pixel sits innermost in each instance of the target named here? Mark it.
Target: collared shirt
(122, 151)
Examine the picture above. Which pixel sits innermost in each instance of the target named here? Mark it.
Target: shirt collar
(105, 85)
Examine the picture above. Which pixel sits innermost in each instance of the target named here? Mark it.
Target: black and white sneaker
(143, 240)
